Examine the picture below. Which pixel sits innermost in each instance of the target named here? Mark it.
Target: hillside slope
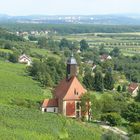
(20, 117)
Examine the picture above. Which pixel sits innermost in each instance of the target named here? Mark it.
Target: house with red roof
(133, 89)
(67, 94)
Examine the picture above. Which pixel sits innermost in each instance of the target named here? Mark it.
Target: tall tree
(98, 81)
(108, 81)
(115, 52)
(83, 45)
(88, 81)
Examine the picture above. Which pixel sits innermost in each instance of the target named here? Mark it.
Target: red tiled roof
(69, 89)
(50, 103)
(132, 87)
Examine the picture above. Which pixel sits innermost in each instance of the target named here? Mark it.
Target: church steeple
(71, 67)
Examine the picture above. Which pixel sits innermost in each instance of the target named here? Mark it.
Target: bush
(135, 137)
(111, 136)
(113, 118)
(136, 128)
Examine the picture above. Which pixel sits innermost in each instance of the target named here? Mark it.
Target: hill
(20, 117)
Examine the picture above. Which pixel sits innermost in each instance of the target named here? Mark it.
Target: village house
(25, 59)
(105, 57)
(67, 95)
(133, 89)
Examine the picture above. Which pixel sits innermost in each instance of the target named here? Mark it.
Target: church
(67, 94)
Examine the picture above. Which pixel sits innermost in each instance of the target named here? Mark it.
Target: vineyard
(20, 117)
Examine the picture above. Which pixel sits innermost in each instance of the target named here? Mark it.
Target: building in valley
(67, 95)
(133, 89)
(25, 59)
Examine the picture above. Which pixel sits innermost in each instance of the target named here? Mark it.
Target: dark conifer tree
(98, 81)
(108, 81)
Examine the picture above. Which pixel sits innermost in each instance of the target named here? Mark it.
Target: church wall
(70, 108)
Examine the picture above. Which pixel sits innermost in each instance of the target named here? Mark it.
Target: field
(128, 43)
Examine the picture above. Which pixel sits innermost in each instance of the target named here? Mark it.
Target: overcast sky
(68, 7)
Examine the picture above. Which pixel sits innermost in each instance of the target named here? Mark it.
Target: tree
(115, 52)
(124, 88)
(102, 50)
(132, 112)
(88, 81)
(135, 127)
(85, 105)
(98, 81)
(42, 42)
(119, 88)
(138, 96)
(83, 45)
(108, 81)
(64, 43)
(13, 58)
(113, 118)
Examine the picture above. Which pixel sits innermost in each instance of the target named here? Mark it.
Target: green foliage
(132, 112)
(113, 118)
(85, 104)
(111, 136)
(119, 88)
(135, 127)
(83, 45)
(88, 81)
(109, 81)
(124, 88)
(98, 81)
(21, 123)
(48, 72)
(115, 52)
(16, 86)
(103, 51)
(64, 43)
(13, 57)
(135, 137)
(129, 65)
(138, 96)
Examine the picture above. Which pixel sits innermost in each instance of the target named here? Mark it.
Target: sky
(68, 7)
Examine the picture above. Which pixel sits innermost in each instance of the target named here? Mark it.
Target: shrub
(136, 128)
(112, 118)
(135, 137)
(111, 136)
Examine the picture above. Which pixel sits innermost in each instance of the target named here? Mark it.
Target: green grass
(15, 84)
(21, 123)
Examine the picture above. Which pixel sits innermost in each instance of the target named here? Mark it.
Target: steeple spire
(71, 67)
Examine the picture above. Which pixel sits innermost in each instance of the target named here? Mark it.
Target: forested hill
(70, 28)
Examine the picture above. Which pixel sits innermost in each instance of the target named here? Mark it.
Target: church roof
(71, 60)
(50, 103)
(69, 89)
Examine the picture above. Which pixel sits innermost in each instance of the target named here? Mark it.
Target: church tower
(71, 67)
